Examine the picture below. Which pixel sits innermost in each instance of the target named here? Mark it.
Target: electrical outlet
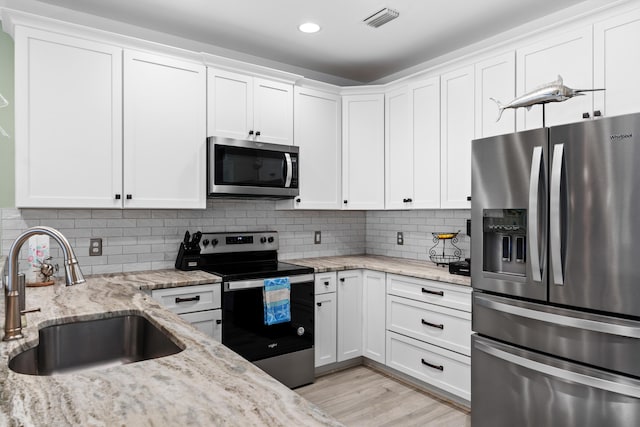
(95, 246)
(400, 238)
(317, 237)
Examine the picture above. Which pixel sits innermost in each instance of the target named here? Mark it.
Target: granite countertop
(161, 279)
(403, 266)
(206, 384)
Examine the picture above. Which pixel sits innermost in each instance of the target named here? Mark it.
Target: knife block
(188, 257)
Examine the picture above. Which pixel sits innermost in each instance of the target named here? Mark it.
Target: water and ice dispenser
(505, 241)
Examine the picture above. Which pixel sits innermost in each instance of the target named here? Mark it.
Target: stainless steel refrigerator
(556, 276)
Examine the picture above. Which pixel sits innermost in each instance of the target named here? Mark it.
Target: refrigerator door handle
(534, 182)
(563, 374)
(554, 214)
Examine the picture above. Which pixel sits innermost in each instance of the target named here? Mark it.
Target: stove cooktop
(242, 271)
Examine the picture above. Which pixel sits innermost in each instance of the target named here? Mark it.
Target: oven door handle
(259, 283)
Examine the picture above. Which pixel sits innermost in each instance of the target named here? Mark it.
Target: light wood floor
(361, 396)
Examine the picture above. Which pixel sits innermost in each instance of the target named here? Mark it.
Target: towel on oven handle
(277, 305)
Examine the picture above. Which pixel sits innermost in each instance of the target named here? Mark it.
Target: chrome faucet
(72, 273)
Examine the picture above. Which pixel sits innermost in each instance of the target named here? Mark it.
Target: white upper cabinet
(363, 151)
(424, 119)
(245, 107)
(569, 55)
(318, 133)
(495, 78)
(398, 151)
(68, 95)
(164, 132)
(457, 132)
(617, 65)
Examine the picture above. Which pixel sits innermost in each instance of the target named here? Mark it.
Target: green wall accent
(7, 159)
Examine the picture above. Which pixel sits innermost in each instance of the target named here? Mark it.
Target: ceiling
(345, 47)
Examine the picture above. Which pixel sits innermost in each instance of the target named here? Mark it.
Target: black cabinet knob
(319, 304)
(326, 283)
(118, 197)
(585, 115)
(597, 113)
(129, 197)
(342, 279)
(218, 321)
(298, 200)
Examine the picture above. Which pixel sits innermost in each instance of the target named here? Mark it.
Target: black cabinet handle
(258, 133)
(433, 325)
(319, 304)
(118, 196)
(427, 291)
(218, 321)
(298, 200)
(342, 279)
(344, 201)
(597, 113)
(129, 197)
(326, 283)
(179, 300)
(468, 198)
(250, 132)
(431, 365)
(585, 115)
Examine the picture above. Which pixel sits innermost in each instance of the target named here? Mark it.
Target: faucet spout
(73, 276)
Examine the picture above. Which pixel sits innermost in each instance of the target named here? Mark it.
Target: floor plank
(361, 396)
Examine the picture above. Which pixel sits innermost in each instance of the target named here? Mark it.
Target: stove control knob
(271, 239)
(205, 243)
(300, 331)
(214, 242)
(263, 240)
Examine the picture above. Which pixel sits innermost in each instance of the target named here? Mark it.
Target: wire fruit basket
(442, 255)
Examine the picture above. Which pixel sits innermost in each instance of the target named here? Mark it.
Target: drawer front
(208, 322)
(325, 283)
(441, 368)
(434, 324)
(453, 296)
(187, 299)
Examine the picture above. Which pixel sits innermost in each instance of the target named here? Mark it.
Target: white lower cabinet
(373, 309)
(429, 332)
(349, 314)
(325, 325)
(447, 370)
(199, 305)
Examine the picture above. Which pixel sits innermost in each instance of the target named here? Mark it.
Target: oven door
(239, 167)
(243, 328)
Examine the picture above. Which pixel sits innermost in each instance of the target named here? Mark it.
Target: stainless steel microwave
(243, 168)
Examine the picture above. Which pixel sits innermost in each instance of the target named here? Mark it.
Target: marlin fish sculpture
(550, 92)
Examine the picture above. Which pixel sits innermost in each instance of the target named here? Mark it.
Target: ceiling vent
(381, 17)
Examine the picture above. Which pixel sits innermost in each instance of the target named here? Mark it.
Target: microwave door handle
(534, 182)
(554, 214)
(289, 170)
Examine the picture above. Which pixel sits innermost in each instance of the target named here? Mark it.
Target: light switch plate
(95, 246)
(400, 238)
(317, 237)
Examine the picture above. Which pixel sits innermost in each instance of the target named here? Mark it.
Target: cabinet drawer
(452, 296)
(434, 324)
(441, 368)
(186, 299)
(209, 322)
(325, 283)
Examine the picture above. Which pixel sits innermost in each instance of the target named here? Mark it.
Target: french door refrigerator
(556, 276)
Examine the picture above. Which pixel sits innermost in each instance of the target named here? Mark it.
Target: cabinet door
(374, 315)
(495, 78)
(325, 329)
(209, 322)
(363, 151)
(68, 117)
(424, 119)
(349, 314)
(569, 55)
(164, 132)
(318, 130)
(458, 129)
(273, 111)
(230, 104)
(398, 151)
(617, 65)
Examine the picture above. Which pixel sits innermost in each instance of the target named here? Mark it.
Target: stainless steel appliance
(556, 283)
(244, 260)
(245, 168)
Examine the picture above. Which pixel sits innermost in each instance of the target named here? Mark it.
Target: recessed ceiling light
(309, 27)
